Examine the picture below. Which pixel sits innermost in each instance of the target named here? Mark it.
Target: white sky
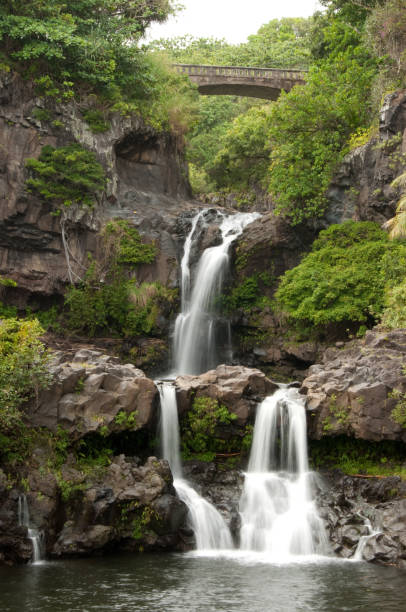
(233, 20)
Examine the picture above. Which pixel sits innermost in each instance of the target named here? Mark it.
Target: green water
(168, 583)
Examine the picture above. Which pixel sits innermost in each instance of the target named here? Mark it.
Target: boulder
(238, 388)
(131, 507)
(356, 388)
(91, 392)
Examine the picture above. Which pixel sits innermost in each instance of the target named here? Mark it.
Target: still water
(169, 583)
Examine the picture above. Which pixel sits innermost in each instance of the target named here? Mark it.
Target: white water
(278, 515)
(33, 534)
(210, 529)
(358, 555)
(196, 345)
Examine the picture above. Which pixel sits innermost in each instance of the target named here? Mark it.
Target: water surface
(169, 583)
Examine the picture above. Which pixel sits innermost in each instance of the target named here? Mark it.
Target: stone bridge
(241, 81)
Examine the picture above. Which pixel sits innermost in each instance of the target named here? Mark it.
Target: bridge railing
(241, 71)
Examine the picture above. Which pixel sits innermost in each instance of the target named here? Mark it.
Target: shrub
(124, 246)
(67, 175)
(343, 278)
(23, 368)
(394, 314)
(199, 437)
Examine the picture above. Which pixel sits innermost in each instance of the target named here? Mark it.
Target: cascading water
(358, 555)
(195, 351)
(210, 529)
(278, 516)
(33, 534)
(195, 345)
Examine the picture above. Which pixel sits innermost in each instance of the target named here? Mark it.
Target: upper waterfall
(196, 345)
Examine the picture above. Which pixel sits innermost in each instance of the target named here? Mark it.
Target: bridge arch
(266, 83)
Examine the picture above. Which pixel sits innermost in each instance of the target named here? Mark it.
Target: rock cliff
(146, 185)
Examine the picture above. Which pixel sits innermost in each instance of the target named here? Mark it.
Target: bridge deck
(242, 71)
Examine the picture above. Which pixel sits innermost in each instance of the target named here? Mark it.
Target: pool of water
(194, 583)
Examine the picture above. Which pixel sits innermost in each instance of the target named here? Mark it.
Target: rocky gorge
(91, 474)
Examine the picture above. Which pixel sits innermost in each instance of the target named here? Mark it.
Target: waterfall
(210, 529)
(33, 534)
(358, 554)
(278, 515)
(197, 327)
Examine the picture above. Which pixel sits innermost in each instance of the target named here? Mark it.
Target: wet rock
(131, 508)
(356, 507)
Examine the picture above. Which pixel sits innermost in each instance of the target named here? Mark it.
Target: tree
(83, 43)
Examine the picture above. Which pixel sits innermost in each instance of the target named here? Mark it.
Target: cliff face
(361, 188)
(146, 185)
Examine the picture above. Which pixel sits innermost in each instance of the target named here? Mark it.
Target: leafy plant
(23, 369)
(67, 175)
(199, 428)
(343, 278)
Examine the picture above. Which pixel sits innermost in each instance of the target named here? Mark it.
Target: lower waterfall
(210, 529)
(33, 534)
(278, 514)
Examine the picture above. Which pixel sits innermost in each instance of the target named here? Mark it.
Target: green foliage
(247, 294)
(398, 414)
(7, 312)
(117, 308)
(280, 43)
(397, 224)
(243, 160)
(223, 153)
(41, 114)
(23, 369)
(200, 427)
(358, 456)
(309, 129)
(92, 42)
(7, 282)
(343, 278)
(126, 420)
(125, 242)
(386, 28)
(67, 175)
(394, 314)
(109, 302)
(96, 121)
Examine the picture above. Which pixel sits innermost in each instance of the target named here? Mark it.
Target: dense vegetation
(109, 300)
(66, 176)
(93, 47)
(343, 279)
(290, 148)
(23, 369)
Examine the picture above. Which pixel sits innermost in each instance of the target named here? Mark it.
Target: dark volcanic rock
(352, 391)
(372, 507)
(132, 508)
(361, 189)
(146, 186)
